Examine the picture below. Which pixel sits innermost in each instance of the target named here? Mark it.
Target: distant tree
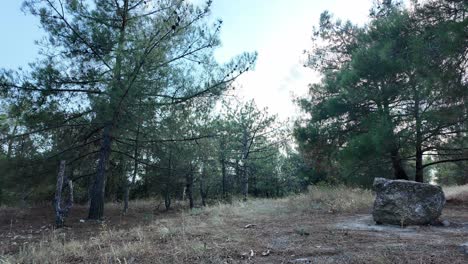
(255, 136)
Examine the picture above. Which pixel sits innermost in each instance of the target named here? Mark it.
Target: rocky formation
(400, 202)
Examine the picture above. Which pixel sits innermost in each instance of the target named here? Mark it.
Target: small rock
(464, 248)
(266, 253)
(82, 220)
(446, 223)
(248, 255)
(302, 261)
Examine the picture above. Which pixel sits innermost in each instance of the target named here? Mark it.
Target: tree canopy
(393, 93)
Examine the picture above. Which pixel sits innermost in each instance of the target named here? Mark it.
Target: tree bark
(167, 198)
(62, 212)
(203, 190)
(244, 171)
(135, 172)
(245, 182)
(254, 182)
(398, 171)
(189, 187)
(11, 141)
(96, 207)
(167, 195)
(223, 172)
(419, 177)
(223, 167)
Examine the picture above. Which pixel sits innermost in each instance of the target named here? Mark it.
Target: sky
(278, 30)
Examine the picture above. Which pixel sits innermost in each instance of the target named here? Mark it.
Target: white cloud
(279, 31)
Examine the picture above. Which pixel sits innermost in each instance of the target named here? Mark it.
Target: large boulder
(400, 202)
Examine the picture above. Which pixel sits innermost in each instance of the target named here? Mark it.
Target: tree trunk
(58, 195)
(10, 142)
(70, 199)
(419, 177)
(126, 196)
(96, 207)
(62, 212)
(245, 182)
(167, 198)
(254, 182)
(223, 172)
(465, 179)
(167, 195)
(203, 190)
(135, 171)
(398, 170)
(189, 187)
(245, 174)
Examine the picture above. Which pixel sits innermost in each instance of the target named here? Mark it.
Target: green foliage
(392, 91)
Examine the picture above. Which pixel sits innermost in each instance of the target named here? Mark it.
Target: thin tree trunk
(10, 142)
(189, 187)
(167, 198)
(203, 190)
(465, 179)
(419, 177)
(126, 196)
(135, 172)
(245, 182)
(58, 195)
(223, 172)
(70, 199)
(223, 167)
(244, 171)
(167, 195)
(62, 212)
(96, 207)
(255, 189)
(398, 171)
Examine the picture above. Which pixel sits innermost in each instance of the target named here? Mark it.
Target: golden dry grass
(182, 238)
(457, 194)
(290, 227)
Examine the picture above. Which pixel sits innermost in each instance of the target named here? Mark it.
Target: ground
(324, 226)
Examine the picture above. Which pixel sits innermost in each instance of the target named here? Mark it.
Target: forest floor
(327, 225)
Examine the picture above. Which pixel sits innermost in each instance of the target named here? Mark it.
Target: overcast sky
(279, 30)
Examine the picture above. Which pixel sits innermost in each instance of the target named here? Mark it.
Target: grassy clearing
(190, 235)
(218, 233)
(289, 227)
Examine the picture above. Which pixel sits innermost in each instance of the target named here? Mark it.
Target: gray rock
(400, 202)
(301, 261)
(446, 223)
(464, 248)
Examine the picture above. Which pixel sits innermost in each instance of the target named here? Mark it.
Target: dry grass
(182, 238)
(290, 227)
(456, 194)
(334, 199)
